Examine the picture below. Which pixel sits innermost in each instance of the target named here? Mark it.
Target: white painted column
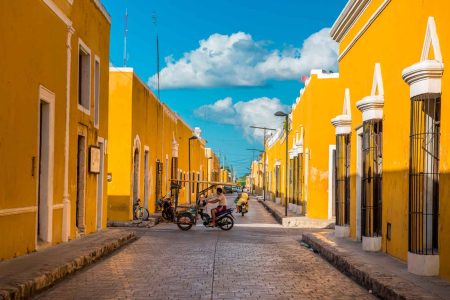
(66, 195)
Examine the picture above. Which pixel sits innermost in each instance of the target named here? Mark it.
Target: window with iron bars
(300, 181)
(424, 174)
(342, 179)
(371, 178)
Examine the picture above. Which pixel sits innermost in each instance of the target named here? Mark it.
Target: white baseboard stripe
(17, 211)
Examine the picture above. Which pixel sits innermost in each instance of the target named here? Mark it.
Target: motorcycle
(224, 219)
(167, 209)
(244, 208)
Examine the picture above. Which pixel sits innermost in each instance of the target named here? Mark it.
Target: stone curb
(381, 284)
(297, 221)
(275, 214)
(29, 287)
(151, 222)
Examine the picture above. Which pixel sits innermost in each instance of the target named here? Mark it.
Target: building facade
(149, 146)
(53, 125)
(381, 167)
(394, 133)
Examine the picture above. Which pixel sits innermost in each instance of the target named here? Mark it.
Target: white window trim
(81, 44)
(97, 109)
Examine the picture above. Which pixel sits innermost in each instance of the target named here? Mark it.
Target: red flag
(304, 78)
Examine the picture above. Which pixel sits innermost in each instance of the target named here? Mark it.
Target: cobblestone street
(257, 259)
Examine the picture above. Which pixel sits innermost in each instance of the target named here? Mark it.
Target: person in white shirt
(222, 200)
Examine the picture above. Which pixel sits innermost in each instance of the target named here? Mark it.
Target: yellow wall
(316, 106)
(33, 55)
(139, 119)
(395, 40)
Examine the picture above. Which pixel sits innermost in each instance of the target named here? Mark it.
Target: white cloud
(243, 114)
(238, 60)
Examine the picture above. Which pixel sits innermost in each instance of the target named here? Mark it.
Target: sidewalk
(293, 219)
(386, 276)
(25, 276)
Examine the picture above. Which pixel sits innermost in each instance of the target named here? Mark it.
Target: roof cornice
(349, 15)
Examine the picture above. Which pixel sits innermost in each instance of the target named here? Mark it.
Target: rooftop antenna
(155, 22)
(125, 39)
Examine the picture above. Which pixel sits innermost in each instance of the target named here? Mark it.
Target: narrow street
(257, 259)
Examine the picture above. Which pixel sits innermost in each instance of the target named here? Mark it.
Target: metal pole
(189, 175)
(264, 167)
(287, 166)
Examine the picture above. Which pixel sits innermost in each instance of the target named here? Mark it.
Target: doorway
(100, 179)
(135, 176)
(359, 171)
(146, 178)
(81, 184)
(331, 182)
(45, 165)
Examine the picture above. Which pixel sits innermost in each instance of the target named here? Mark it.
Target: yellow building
(256, 177)
(53, 122)
(148, 146)
(310, 151)
(393, 139)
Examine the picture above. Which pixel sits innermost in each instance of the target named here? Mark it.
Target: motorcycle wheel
(185, 221)
(167, 215)
(141, 214)
(226, 223)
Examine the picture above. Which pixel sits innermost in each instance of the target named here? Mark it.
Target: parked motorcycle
(167, 209)
(224, 219)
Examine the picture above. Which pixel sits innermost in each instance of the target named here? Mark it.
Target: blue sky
(252, 57)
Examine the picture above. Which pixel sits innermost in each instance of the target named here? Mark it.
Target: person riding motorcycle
(243, 199)
(220, 197)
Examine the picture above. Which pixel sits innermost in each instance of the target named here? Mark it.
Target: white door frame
(146, 175)
(305, 182)
(359, 170)
(100, 183)
(82, 131)
(46, 207)
(331, 185)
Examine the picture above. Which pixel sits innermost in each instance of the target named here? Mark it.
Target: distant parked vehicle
(228, 189)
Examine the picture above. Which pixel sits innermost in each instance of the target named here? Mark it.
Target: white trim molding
(102, 10)
(343, 121)
(425, 77)
(17, 211)
(364, 28)
(372, 106)
(331, 171)
(54, 7)
(58, 206)
(348, 17)
(82, 46)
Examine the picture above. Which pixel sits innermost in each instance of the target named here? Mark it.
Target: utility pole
(155, 22)
(264, 162)
(125, 39)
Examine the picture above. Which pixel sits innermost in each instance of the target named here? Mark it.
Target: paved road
(255, 260)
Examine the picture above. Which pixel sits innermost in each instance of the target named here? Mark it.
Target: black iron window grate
(301, 182)
(342, 186)
(424, 174)
(371, 203)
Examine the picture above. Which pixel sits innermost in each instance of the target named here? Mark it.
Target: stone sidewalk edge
(29, 288)
(273, 212)
(343, 263)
